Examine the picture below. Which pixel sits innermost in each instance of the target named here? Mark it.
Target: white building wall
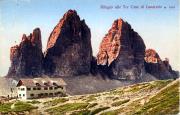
(22, 92)
(28, 93)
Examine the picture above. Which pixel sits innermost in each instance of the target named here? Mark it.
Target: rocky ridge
(121, 53)
(69, 50)
(122, 50)
(27, 57)
(161, 69)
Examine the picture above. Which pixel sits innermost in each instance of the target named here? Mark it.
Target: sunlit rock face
(69, 51)
(155, 66)
(121, 52)
(27, 57)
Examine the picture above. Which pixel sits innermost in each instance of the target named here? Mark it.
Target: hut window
(54, 83)
(45, 83)
(50, 88)
(45, 88)
(38, 88)
(37, 84)
(50, 94)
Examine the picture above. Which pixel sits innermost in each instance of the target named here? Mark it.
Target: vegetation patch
(67, 108)
(158, 84)
(16, 107)
(161, 83)
(91, 105)
(91, 98)
(110, 113)
(118, 103)
(109, 97)
(116, 98)
(81, 112)
(137, 87)
(34, 102)
(165, 102)
(130, 108)
(56, 101)
(6, 107)
(22, 106)
(95, 111)
(117, 92)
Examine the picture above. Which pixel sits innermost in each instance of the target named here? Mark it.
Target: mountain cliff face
(121, 52)
(155, 66)
(69, 49)
(27, 57)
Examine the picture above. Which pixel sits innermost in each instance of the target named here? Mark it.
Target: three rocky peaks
(122, 53)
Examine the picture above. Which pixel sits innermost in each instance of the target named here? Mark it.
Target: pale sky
(159, 28)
